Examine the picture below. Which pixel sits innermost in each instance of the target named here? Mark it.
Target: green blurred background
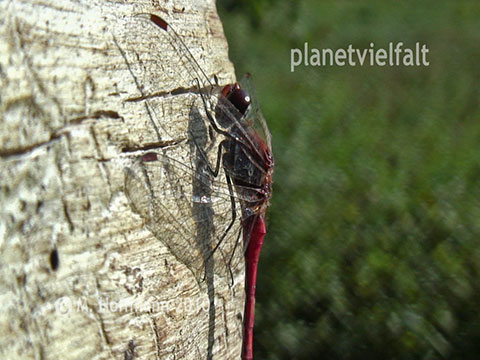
(372, 250)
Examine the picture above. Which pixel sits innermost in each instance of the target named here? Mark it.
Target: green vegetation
(373, 245)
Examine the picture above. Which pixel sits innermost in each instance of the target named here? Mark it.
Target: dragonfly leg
(213, 171)
(234, 216)
(210, 117)
(233, 253)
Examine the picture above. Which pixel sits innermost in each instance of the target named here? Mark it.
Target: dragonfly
(244, 155)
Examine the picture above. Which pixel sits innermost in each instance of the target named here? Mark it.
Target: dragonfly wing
(164, 215)
(254, 114)
(185, 210)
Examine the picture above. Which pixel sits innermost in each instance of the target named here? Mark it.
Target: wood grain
(74, 77)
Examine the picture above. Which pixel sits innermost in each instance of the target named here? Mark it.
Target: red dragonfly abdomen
(252, 257)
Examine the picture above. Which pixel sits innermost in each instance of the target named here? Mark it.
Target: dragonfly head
(237, 96)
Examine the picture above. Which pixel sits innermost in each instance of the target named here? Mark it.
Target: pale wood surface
(67, 69)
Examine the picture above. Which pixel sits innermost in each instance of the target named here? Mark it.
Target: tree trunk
(84, 87)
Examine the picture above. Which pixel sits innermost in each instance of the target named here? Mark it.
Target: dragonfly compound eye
(237, 96)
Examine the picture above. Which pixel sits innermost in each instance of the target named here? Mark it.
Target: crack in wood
(96, 115)
(153, 146)
(162, 94)
(8, 153)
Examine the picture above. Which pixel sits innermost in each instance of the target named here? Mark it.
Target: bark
(77, 82)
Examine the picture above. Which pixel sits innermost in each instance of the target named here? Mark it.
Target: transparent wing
(222, 115)
(188, 211)
(254, 115)
(188, 68)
